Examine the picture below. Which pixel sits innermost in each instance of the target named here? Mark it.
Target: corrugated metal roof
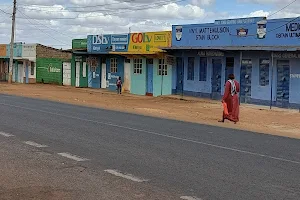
(236, 48)
(90, 53)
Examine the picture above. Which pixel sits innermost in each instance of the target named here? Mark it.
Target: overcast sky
(57, 22)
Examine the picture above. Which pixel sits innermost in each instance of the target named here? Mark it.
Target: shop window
(137, 66)
(113, 65)
(191, 62)
(32, 66)
(264, 65)
(162, 68)
(203, 69)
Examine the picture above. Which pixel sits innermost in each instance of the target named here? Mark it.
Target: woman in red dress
(231, 98)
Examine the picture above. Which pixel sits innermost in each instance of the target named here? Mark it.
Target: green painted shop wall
(83, 81)
(73, 79)
(138, 81)
(162, 85)
(49, 70)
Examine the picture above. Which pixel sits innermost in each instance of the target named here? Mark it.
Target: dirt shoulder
(253, 118)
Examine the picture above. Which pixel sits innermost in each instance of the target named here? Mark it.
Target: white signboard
(84, 69)
(29, 50)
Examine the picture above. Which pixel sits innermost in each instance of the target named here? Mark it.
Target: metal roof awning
(236, 48)
(16, 58)
(90, 53)
(137, 54)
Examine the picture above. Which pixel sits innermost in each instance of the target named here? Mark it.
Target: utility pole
(12, 41)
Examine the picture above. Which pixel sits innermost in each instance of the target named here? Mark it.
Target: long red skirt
(233, 109)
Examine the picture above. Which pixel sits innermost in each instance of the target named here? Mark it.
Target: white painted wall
(103, 76)
(126, 85)
(29, 52)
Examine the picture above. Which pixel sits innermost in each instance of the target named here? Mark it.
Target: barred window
(113, 65)
(137, 66)
(162, 68)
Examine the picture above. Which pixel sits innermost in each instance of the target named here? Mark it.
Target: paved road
(175, 159)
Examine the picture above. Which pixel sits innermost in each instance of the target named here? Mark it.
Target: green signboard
(49, 70)
(79, 44)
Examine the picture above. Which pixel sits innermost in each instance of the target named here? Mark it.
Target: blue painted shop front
(115, 69)
(109, 67)
(94, 73)
(263, 54)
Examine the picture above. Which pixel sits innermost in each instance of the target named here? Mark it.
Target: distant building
(33, 63)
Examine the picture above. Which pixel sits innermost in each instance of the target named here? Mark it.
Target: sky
(56, 22)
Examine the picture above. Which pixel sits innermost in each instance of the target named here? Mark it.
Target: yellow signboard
(3, 50)
(149, 42)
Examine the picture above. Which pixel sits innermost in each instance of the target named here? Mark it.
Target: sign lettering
(235, 21)
(160, 38)
(294, 75)
(119, 39)
(286, 55)
(140, 38)
(149, 41)
(211, 53)
(100, 39)
(292, 30)
(209, 33)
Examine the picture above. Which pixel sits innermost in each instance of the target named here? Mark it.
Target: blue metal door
(90, 76)
(283, 83)
(149, 79)
(96, 77)
(26, 74)
(216, 78)
(180, 75)
(246, 72)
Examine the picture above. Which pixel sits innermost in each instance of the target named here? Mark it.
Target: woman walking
(231, 98)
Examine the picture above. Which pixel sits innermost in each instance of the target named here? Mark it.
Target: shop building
(263, 54)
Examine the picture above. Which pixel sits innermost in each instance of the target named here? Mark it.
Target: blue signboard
(107, 43)
(238, 32)
(17, 50)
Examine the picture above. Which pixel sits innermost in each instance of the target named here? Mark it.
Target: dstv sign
(107, 43)
(100, 39)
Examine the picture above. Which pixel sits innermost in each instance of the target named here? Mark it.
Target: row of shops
(192, 60)
(33, 63)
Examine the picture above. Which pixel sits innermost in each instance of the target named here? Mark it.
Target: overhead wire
(5, 12)
(294, 19)
(44, 24)
(106, 4)
(42, 30)
(129, 9)
(282, 8)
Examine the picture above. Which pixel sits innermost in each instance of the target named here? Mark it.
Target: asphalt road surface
(149, 157)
